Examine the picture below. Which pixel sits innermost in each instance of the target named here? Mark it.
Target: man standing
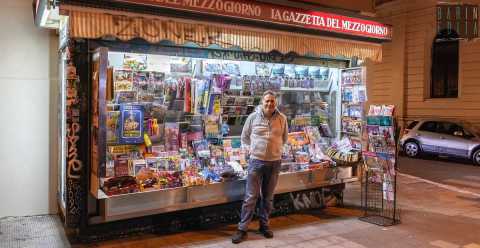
(263, 135)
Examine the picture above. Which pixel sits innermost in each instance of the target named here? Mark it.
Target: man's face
(269, 104)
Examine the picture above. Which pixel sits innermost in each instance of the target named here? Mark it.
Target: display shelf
(132, 205)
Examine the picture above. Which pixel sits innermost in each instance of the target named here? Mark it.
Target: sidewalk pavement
(431, 216)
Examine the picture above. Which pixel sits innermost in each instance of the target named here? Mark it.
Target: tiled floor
(431, 217)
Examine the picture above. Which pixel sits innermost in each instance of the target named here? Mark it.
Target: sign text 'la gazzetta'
(278, 14)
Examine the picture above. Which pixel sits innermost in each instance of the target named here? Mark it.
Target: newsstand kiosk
(154, 95)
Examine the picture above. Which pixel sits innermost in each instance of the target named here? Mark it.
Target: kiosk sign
(271, 13)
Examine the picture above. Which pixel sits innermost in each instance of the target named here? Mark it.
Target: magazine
(172, 131)
(131, 124)
(126, 96)
(122, 80)
(278, 70)
(181, 65)
(112, 127)
(313, 134)
(201, 148)
(297, 139)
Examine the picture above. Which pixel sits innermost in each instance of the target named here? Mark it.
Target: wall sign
(271, 13)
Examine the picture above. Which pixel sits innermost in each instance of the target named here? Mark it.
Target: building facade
(404, 77)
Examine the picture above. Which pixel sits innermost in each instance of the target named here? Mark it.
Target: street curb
(444, 186)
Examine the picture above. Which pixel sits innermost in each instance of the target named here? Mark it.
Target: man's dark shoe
(239, 237)
(266, 232)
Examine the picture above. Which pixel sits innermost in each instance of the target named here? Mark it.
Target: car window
(447, 127)
(429, 126)
(412, 124)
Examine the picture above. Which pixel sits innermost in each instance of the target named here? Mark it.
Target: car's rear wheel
(411, 149)
(476, 157)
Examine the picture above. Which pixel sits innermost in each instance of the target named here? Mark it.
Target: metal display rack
(379, 184)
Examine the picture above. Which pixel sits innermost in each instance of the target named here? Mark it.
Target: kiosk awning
(97, 23)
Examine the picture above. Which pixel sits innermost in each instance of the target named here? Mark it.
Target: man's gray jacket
(264, 137)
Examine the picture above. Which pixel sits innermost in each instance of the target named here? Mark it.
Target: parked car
(441, 137)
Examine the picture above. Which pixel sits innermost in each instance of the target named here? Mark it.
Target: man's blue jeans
(261, 181)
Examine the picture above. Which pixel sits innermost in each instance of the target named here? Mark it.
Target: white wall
(28, 92)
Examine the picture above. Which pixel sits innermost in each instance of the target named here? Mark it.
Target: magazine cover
(314, 72)
(313, 134)
(135, 62)
(301, 71)
(325, 130)
(181, 65)
(278, 70)
(211, 66)
(214, 106)
(324, 73)
(172, 131)
(122, 80)
(131, 124)
(297, 139)
(201, 148)
(121, 166)
(112, 127)
(263, 69)
(231, 68)
(212, 128)
(127, 96)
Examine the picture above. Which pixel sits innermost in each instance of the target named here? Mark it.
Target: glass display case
(166, 129)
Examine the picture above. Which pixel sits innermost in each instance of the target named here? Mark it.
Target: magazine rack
(379, 198)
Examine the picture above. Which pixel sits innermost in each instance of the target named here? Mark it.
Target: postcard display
(380, 156)
(175, 122)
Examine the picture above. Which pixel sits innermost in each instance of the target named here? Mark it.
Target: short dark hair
(269, 92)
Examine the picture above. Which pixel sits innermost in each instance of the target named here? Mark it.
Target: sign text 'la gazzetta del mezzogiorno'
(278, 14)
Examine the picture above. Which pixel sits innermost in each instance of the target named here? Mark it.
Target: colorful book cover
(131, 124)
(112, 127)
(172, 131)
